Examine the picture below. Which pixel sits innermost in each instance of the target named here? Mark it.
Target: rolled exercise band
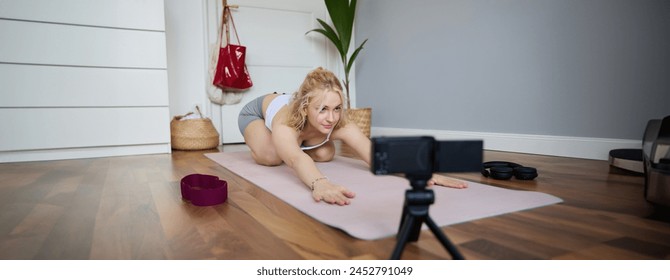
(204, 190)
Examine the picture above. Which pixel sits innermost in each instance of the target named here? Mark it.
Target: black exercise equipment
(504, 170)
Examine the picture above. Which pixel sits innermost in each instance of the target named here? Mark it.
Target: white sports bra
(274, 107)
(304, 148)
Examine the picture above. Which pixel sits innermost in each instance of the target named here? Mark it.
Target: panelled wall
(82, 79)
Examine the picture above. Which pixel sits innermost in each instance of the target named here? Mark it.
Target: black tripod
(415, 213)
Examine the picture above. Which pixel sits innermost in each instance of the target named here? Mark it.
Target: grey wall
(584, 68)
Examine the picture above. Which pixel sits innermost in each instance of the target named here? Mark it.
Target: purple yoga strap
(204, 190)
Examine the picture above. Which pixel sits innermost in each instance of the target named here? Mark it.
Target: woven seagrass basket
(362, 118)
(193, 134)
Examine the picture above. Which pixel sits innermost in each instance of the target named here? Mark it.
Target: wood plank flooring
(131, 208)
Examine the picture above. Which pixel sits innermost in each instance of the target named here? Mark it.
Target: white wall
(186, 55)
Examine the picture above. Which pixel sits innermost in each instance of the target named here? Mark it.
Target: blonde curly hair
(317, 82)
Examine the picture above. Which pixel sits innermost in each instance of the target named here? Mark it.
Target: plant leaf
(327, 27)
(354, 55)
(342, 14)
(330, 36)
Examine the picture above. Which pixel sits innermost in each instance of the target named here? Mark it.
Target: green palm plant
(342, 13)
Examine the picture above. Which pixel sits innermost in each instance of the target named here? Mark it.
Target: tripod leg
(455, 254)
(403, 236)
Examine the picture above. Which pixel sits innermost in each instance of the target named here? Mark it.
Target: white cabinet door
(81, 79)
(279, 54)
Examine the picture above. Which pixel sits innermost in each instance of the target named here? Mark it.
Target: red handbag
(231, 71)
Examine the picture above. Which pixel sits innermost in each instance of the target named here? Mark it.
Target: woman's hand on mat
(447, 182)
(333, 194)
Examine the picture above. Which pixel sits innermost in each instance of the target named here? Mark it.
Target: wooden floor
(131, 208)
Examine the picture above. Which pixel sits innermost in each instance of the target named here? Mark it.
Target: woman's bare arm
(352, 136)
(285, 141)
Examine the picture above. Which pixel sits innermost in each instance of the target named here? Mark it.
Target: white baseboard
(564, 146)
(87, 152)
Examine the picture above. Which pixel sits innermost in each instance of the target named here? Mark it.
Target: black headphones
(503, 170)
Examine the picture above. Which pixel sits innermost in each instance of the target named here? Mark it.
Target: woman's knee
(323, 153)
(267, 158)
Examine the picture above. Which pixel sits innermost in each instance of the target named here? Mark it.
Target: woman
(298, 130)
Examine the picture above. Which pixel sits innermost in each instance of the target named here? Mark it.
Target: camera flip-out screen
(425, 155)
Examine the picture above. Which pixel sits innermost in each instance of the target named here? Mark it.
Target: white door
(279, 54)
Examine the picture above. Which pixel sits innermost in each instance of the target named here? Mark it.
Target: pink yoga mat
(375, 211)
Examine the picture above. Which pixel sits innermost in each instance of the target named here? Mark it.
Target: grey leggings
(251, 112)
